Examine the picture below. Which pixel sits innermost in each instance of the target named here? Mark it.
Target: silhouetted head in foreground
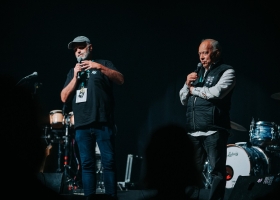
(20, 127)
(21, 138)
(170, 162)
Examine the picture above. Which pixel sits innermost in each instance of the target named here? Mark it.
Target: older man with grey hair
(207, 95)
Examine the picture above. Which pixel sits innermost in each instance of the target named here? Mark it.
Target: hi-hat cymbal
(276, 96)
(237, 127)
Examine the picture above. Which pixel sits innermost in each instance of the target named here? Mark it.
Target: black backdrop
(155, 46)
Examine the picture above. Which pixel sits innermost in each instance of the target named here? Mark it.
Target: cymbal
(276, 96)
(237, 127)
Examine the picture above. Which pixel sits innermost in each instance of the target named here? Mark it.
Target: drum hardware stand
(75, 185)
(58, 140)
(63, 139)
(99, 177)
(45, 135)
(58, 158)
(66, 155)
(273, 134)
(207, 175)
(251, 129)
(70, 181)
(55, 140)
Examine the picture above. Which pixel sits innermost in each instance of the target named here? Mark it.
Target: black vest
(211, 114)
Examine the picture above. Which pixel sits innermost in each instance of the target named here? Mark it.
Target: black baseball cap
(78, 39)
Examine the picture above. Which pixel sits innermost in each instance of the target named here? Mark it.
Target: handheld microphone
(79, 59)
(31, 75)
(199, 65)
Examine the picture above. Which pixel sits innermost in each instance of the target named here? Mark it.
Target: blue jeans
(104, 136)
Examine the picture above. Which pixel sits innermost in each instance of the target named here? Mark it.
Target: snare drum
(56, 119)
(264, 133)
(243, 160)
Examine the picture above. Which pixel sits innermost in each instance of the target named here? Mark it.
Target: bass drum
(244, 160)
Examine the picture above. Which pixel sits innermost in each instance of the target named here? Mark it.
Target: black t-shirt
(99, 106)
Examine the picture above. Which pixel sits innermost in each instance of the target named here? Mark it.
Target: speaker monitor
(255, 187)
(53, 181)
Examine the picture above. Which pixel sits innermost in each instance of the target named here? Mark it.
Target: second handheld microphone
(199, 65)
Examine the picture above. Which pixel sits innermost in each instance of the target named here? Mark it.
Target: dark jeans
(86, 138)
(213, 147)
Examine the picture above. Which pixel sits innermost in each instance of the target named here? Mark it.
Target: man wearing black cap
(89, 85)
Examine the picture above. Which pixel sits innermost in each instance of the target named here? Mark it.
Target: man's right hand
(77, 69)
(191, 78)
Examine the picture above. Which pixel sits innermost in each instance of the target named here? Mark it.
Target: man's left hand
(88, 64)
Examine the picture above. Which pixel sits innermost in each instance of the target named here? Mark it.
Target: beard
(85, 56)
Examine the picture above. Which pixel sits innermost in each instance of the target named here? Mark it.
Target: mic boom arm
(34, 74)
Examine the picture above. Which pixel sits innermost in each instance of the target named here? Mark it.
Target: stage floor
(140, 194)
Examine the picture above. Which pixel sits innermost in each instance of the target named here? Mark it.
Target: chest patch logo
(209, 80)
(94, 72)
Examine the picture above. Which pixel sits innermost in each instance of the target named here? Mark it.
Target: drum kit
(258, 157)
(61, 132)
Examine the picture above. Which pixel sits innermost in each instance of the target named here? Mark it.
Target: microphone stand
(21, 80)
(28, 77)
(36, 87)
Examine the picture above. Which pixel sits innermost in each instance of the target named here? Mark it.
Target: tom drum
(264, 133)
(56, 119)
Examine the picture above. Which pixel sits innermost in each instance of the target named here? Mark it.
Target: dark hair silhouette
(20, 126)
(169, 157)
(25, 150)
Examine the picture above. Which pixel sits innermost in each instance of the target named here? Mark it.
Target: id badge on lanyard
(81, 94)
